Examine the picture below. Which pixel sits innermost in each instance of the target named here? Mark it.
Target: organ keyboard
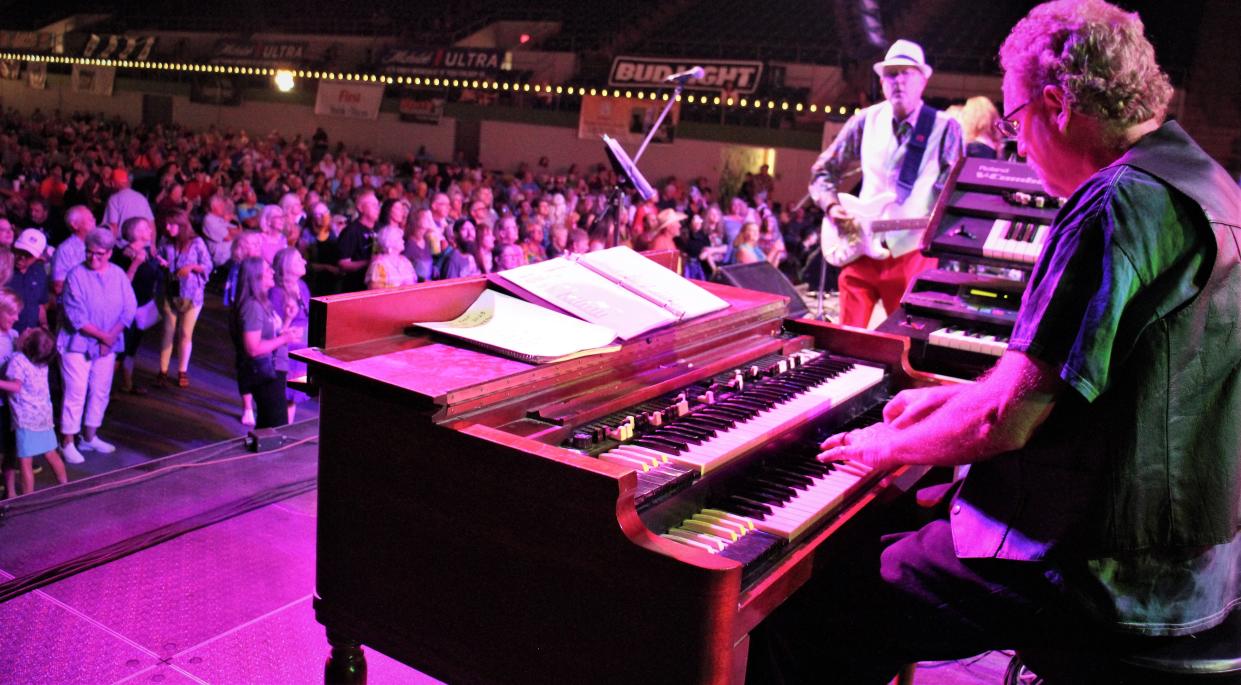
(605, 519)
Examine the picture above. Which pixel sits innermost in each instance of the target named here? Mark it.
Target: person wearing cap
(1099, 517)
(879, 139)
(125, 203)
(666, 232)
(30, 280)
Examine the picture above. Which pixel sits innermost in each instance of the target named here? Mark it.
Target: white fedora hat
(904, 53)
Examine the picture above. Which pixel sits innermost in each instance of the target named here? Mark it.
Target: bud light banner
(650, 72)
(450, 62)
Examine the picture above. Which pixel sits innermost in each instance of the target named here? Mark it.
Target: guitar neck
(885, 225)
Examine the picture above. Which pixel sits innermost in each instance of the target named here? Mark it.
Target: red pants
(867, 281)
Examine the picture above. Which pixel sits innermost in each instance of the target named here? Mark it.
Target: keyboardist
(1106, 443)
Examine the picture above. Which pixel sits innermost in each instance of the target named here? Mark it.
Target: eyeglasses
(1007, 126)
(99, 253)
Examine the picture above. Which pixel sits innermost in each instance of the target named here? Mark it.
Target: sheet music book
(662, 286)
(617, 288)
(525, 331)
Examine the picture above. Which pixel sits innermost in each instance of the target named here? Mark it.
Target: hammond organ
(617, 518)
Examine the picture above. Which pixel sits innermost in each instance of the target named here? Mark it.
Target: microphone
(687, 75)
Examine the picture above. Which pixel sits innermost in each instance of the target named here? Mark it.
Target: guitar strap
(914, 149)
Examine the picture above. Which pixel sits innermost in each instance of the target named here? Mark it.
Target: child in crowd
(10, 308)
(390, 268)
(31, 401)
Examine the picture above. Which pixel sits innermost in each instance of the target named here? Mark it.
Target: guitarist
(903, 147)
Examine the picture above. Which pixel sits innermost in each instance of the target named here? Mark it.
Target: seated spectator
(390, 268)
(424, 244)
(98, 304)
(771, 241)
(511, 257)
(484, 253)
(579, 241)
(532, 246)
(559, 245)
(30, 281)
(738, 213)
(272, 227)
(745, 247)
(456, 261)
(144, 273)
(219, 229)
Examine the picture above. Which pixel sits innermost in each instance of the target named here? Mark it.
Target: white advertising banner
(97, 80)
(348, 99)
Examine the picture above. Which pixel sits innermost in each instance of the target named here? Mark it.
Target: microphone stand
(676, 93)
(616, 199)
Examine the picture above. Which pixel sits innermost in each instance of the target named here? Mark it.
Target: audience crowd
(109, 230)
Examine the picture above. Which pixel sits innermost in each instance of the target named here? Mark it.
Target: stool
(1207, 658)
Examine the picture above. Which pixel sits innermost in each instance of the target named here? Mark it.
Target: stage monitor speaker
(764, 277)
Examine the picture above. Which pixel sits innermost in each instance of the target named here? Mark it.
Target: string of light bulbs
(435, 82)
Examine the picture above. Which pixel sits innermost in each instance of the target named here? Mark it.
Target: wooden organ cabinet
(620, 518)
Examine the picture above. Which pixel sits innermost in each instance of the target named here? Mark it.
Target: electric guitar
(841, 247)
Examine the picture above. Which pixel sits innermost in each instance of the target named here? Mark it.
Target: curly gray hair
(1097, 53)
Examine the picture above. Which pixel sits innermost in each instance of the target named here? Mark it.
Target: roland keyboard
(993, 212)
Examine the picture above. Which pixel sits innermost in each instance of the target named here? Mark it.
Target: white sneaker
(71, 454)
(247, 417)
(97, 444)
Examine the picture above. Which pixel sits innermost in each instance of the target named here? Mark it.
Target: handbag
(255, 371)
(146, 315)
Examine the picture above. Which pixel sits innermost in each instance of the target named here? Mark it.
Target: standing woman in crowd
(96, 305)
(188, 261)
(258, 333)
(290, 300)
(322, 251)
(144, 275)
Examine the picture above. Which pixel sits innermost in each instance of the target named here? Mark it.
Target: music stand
(626, 169)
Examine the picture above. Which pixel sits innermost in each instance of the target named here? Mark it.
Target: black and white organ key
(748, 415)
(1018, 240)
(969, 340)
(784, 498)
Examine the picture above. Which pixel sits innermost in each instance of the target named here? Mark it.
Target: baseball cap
(31, 241)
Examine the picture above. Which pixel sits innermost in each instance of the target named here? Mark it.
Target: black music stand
(627, 176)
